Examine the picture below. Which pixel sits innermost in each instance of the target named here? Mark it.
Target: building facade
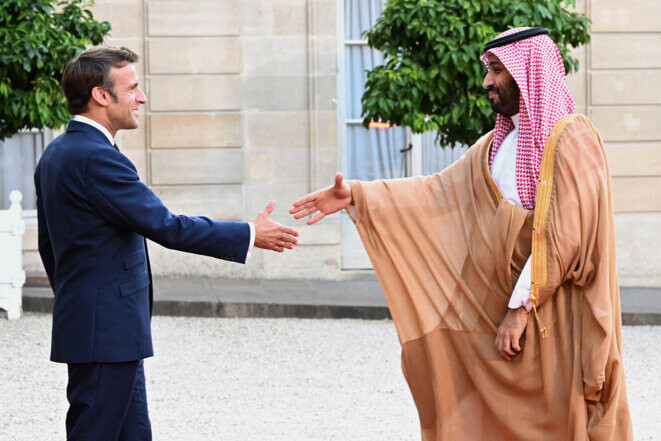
(250, 100)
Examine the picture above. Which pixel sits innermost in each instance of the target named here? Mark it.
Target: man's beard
(508, 99)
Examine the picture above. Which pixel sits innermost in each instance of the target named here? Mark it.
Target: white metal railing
(12, 276)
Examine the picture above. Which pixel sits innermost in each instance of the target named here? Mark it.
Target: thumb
(338, 180)
(269, 208)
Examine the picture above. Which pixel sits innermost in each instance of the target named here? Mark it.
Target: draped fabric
(448, 249)
(537, 67)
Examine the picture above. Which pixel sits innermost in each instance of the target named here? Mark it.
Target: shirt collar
(515, 120)
(96, 125)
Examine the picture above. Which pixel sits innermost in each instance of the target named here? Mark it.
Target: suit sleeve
(116, 193)
(44, 243)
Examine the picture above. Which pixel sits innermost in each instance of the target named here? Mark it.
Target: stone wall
(624, 103)
(242, 110)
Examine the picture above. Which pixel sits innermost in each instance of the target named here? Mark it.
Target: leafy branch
(431, 79)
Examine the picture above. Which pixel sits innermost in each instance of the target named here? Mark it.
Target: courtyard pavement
(289, 379)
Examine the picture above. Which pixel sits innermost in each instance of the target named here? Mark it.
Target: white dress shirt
(106, 132)
(503, 171)
(96, 125)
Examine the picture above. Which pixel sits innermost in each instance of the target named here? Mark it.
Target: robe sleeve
(574, 244)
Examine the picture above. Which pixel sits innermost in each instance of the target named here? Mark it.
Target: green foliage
(431, 79)
(37, 39)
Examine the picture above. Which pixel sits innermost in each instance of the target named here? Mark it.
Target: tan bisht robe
(448, 250)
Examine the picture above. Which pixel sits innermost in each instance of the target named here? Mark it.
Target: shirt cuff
(252, 240)
(521, 294)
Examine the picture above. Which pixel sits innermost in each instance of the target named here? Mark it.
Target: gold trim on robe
(448, 250)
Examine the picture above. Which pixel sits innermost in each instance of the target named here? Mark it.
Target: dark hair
(89, 69)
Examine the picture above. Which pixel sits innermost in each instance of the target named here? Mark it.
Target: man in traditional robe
(521, 226)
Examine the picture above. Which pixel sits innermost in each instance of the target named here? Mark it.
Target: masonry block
(256, 17)
(578, 81)
(327, 166)
(125, 17)
(196, 17)
(625, 16)
(196, 130)
(613, 51)
(194, 55)
(275, 56)
(257, 196)
(325, 92)
(139, 159)
(277, 129)
(314, 262)
(290, 17)
(637, 194)
(197, 166)
(326, 129)
(626, 87)
(195, 93)
(325, 55)
(627, 123)
(326, 232)
(276, 93)
(628, 159)
(220, 202)
(258, 167)
(325, 16)
(277, 166)
(30, 238)
(637, 242)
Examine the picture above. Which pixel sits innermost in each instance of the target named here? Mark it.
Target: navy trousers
(107, 402)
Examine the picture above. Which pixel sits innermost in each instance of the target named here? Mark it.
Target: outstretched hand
(323, 202)
(510, 331)
(271, 235)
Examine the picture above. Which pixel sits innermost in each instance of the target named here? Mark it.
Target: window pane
(375, 153)
(371, 153)
(434, 157)
(18, 159)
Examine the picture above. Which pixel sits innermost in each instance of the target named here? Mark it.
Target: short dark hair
(91, 68)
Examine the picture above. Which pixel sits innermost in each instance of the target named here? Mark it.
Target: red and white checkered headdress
(536, 65)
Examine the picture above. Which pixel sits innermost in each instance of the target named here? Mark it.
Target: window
(18, 158)
(375, 153)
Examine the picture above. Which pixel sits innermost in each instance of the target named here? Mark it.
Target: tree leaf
(432, 54)
(37, 39)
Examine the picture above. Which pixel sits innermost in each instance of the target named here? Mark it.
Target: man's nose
(140, 97)
(488, 81)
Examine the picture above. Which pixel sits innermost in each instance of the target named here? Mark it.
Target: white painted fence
(12, 276)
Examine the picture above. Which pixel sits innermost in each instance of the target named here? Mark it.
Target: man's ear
(100, 96)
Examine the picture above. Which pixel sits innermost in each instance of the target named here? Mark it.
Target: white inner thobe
(503, 171)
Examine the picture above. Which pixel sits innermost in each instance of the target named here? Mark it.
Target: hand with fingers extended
(323, 202)
(510, 331)
(271, 235)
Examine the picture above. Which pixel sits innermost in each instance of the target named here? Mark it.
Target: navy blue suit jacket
(94, 215)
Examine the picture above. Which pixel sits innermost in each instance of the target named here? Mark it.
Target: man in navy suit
(94, 215)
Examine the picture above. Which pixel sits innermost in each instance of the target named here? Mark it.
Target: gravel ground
(266, 379)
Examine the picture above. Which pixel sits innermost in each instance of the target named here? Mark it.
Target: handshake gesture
(323, 202)
(271, 235)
